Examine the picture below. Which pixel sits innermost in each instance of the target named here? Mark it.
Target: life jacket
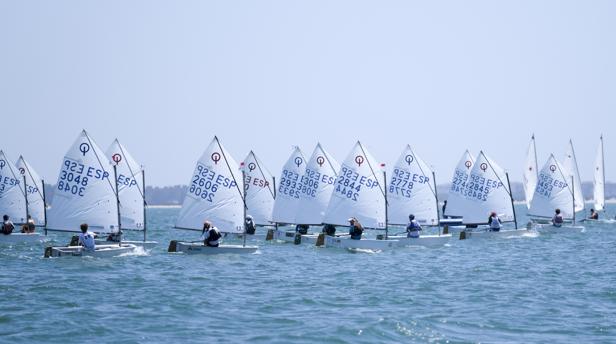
(355, 232)
(250, 227)
(329, 230)
(558, 219)
(495, 223)
(7, 227)
(413, 229)
(214, 235)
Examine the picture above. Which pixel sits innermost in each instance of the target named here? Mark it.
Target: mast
(44, 205)
(602, 172)
(515, 218)
(573, 194)
(385, 197)
(145, 204)
(274, 184)
(536, 165)
(244, 218)
(438, 215)
(115, 176)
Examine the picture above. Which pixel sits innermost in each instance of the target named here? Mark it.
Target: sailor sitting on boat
(557, 220)
(495, 222)
(210, 235)
(29, 226)
(86, 239)
(329, 230)
(302, 229)
(115, 237)
(593, 215)
(7, 225)
(355, 230)
(250, 225)
(413, 228)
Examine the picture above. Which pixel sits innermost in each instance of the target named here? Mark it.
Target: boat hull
(364, 244)
(79, 251)
(486, 234)
(148, 245)
(199, 248)
(424, 240)
(15, 238)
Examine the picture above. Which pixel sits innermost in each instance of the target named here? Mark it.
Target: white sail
(259, 190)
(487, 191)
(456, 195)
(358, 191)
(34, 187)
(85, 192)
(130, 186)
(411, 190)
(531, 171)
(571, 170)
(289, 188)
(12, 197)
(317, 187)
(553, 192)
(214, 193)
(599, 179)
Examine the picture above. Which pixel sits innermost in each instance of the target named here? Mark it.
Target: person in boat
(29, 226)
(329, 230)
(413, 228)
(495, 222)
(356, 229)
(115, 237)
(302, 229)
(251, 228)
(210, 235)
(7, 225)
(557, 220)
(86, 239)
(593, 215)
(444, 207)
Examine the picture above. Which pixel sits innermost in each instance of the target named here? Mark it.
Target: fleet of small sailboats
(106, 190)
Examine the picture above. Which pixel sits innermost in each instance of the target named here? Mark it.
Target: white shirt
(87, 240)
(206, 235)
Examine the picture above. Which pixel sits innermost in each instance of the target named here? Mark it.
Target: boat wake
(139, 251)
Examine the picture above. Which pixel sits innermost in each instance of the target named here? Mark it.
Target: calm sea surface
(547, 288)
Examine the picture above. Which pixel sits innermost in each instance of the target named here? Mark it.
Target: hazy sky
(166, 76)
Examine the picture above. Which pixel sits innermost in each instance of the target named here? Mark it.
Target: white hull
(199, 248)
(424, 240)
(148, 245)
(364, 244)
(486, 234)
(100, 251)
(564, 228)
(21, 237)
(290, 236)
(286, 236)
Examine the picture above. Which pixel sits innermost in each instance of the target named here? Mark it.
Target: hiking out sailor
(210, 235)
(495, 222)
(7, 225)
(355, 229)
(557, 220)
(250, 226)
(593, 215)
(329, 230)
(302, 229)
(86, 239)
(413, 228)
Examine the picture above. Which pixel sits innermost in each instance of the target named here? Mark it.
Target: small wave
(139, 251)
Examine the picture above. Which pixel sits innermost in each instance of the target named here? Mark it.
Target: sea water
(546, 287)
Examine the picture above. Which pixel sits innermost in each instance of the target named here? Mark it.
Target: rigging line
(422, 171)
(237, 186)
(23, 192)
(374, 174)
(130, 169)
(269, 187)
(99, 161)
(497, 176)
(32, 177)
(328, 160)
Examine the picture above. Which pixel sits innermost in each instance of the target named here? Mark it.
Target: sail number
(75, 176)
(7, 181)
(458, 184)
(403, 181)
(205, 183)
(480, 187)
(349, 183)
(310, 182)
(290, 184)
(546, 184)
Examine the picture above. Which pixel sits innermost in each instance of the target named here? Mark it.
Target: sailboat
(359, 192)
(287, 200)
(412, 190)
(260, 192)
(531, 172)
(599, 179)
(555, 190)
(317, 185)
(454, 210)
(214, 194)
(85, 193)
(488, 190)
(131, 191)
(14, 201)
(572, 172)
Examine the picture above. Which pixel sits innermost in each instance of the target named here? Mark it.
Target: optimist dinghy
(359, 193)
(86, 194)
(214, 194)
(531, 172)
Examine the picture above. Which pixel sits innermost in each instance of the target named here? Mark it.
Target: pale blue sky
(166, 76)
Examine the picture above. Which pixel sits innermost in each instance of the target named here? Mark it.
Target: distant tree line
(174, 195)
